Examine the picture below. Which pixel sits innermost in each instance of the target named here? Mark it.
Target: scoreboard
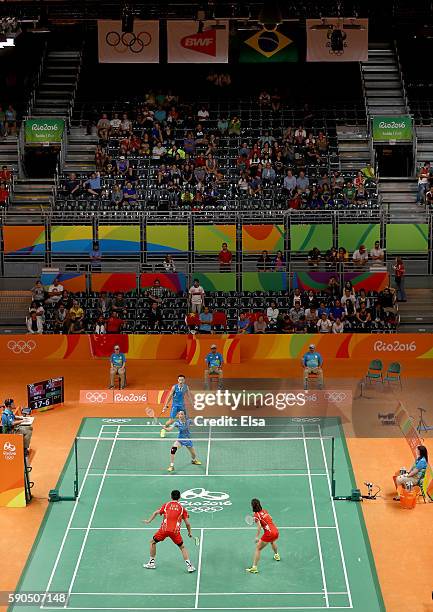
(45, 393)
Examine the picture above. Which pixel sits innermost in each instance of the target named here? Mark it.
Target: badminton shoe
(170, 468)
(162, 433)
(150, 565)
(277, 557)
(196, 461)
(191, 569)
(252, 570)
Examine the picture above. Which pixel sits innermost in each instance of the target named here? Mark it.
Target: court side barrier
(12, 491)
(406, 424)
(354, 349)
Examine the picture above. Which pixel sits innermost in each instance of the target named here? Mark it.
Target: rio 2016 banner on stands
(215, 281)
(407, 237)
(120, 281)
(140, 46)
(307, 236)
(43, 131)
(187, 45)
(24, 239)
(389, 129)
(267, 46)
(352, 235)
(337, 39)
(12, 494)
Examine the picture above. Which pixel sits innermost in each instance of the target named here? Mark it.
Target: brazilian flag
(265, 46)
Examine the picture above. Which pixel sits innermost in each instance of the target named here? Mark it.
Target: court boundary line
(197, 586)
(340, 544)
(259, 474)
(203, 439)
(197, 528)
(71, 518)
(95, 505)
(205, 608)
(208, 451)
(313, 505)
(211, 594)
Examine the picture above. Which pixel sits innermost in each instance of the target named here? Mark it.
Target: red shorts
(270, 536)
(174, 536)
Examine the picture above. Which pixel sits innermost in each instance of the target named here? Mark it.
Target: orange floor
(401, 540)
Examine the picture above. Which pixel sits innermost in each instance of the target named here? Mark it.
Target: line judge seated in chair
(415, 475)
(312, 363)
(214, 362)
(117, 366)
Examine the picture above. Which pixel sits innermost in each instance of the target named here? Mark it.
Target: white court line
(340, 545)
(71, 518)
(234, 439)
(95, 503)
(208, 451)
(258, 475)
(200, 552)
(202, 528)
(128, 609)
(313, 504)
(201, 593)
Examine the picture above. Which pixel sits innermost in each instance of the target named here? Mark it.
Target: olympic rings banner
(140, 46)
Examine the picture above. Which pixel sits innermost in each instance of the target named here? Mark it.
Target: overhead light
(10, 42)
(270, 15)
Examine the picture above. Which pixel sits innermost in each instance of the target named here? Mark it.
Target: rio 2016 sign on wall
(44, 131)
(389, 129)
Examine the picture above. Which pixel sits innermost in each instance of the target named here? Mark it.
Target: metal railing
(36, 82)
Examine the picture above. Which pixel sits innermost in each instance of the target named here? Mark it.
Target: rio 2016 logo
(394, 346)
(200, 500)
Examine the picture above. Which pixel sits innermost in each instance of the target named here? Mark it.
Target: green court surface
(93, 549)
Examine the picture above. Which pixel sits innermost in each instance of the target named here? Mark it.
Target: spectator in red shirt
(5, 174)
(114, 324)
(225, 258)
(4, 193)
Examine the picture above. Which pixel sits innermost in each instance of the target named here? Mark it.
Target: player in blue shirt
(183, 439)
(118, 366)
(214, 362)
(312, 362)
(178, 393)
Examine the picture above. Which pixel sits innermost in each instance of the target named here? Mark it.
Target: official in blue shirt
(312, 363)
(214, 362)
(12, 423)
(118, 366)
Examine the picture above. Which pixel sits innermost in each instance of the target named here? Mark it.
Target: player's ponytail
(256, 505)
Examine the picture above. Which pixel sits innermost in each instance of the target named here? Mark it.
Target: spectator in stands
(205, 318)
(314, 257)
(103, 304)
(222, 125)
(338, 326)
(76, 325)
(235, 126)
(429, 196)
(399, 274)
(211, 165)
(264, 262)
(11, 120)
(423, 183)
(296, 297)
(54, 292)
(5, 175)
(347, 296)
(272, 314)
(368, 171)
(103, 127)
(38, 292)
(244, 324)
(337, 311)
(279, 262)
(196, 297)
(125, 125)
(300, 135)
(311, 318)
(387, 298)
(268, 175)
(296, 312)
(93, 184)
(2, 123)
(168, 264)
(38, 309)
(119, 305)
(114, 323)
(225, 258)
(115, 125)
(343, 255)
(72, 186)
(302, 182)
(34, 323)
(99, 327)
(349, 193)
(243, 184)
(129, 193)
(309, 299)
(377, 254)
(61, 319)
(264, 99)
(289, 183)
(66, 299)
(203, 114)
(364, 317)
(275, 101)
(360, 256)
(260, 325)
(154, 316)
(95, 256)
(362, 298)
(255, 185)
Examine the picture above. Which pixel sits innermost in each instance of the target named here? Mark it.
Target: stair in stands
(383, 83)
(417, 313)
(31, 196)
(80, 153)
(399, 198)
(9, 153)
(353, 147)
(14, 307)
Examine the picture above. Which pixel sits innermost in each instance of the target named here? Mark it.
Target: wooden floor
(401, 540)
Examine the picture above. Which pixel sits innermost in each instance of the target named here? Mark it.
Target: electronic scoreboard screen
(45, 393)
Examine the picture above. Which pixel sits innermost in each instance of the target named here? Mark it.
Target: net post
(76, 468)
(332, 467)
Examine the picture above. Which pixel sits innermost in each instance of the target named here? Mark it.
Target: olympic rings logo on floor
(201, 493)
(96, 397)
(21, 346)
(335, 396)
(116, 420)
(197, 509)
(209, 501)
(121, 42)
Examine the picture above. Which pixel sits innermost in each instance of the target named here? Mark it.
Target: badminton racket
(196, 540)
(250, 520)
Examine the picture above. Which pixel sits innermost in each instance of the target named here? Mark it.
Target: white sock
(172, 464)
(152, 560)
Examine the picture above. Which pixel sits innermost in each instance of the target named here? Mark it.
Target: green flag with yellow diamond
(279, 45)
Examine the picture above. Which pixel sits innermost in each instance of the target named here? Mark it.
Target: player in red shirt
(264, 521)
(174, 514)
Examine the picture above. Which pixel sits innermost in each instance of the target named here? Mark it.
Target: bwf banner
(186, 44)
(337, 40)
(140, 46)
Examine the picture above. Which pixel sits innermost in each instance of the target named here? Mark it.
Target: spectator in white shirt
(54, 292)
(272, 313)
(337, 327)
(377, 254)
(196, 297)
(203, 114)
(360, 256)
(347, 297)
(324, 325)
(115, 125)
(34, 323)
